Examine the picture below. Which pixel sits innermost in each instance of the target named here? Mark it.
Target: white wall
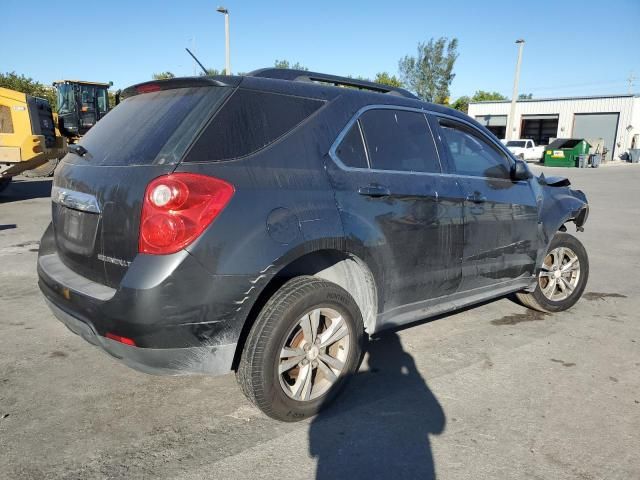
(627, 107)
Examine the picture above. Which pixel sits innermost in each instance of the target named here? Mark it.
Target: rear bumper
(209, 360)
(181, 318)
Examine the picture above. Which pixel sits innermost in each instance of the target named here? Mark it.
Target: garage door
(496, 124)
(539, 128)
(597, 125)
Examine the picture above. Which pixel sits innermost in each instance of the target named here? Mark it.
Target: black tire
(537, 299)
(43, 171)
(257, 372)
(4, 183)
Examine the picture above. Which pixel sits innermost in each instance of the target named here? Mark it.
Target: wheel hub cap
(560, 274)
(314, 354)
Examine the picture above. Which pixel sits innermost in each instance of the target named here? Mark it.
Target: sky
(572, 47)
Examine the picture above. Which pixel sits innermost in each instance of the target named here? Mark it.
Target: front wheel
(562, 278)
(306, 343)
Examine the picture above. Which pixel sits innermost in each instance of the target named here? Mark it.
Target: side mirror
(520, 171)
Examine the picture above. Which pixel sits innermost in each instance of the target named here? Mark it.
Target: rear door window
(399, 140)
(471, 153)
(152, 128)
(249, 121)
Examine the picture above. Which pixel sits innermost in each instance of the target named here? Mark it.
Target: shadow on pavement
(380, 426)
(26, 190)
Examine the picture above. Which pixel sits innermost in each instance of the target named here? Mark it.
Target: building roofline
(552, 99)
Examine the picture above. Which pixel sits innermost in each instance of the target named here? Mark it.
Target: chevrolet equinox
(267, 224)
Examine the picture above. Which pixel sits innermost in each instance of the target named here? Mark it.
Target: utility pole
(514, 96)
(227, 63)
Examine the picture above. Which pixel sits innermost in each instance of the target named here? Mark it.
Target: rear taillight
(121, 339)
(177, 208)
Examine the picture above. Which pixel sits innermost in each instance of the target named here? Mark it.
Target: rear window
(250, 120)
(152, 128)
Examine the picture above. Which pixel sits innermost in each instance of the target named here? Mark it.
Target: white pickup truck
(526, 150)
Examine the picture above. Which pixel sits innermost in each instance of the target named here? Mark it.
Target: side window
(399, 140)
(472, 154)
(249, 121)
(351, 150)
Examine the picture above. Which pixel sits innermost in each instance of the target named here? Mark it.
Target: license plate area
(76, 231)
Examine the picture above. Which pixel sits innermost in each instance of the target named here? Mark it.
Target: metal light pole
(514, 96)
(227, 63)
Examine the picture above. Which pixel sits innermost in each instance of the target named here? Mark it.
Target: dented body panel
(433, 242)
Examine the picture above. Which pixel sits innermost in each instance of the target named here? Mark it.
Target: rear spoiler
(182, 82)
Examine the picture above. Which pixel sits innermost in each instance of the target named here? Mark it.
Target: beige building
(613, 118)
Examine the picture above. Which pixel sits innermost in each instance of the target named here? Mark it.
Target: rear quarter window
(249, 121)
(152, 128)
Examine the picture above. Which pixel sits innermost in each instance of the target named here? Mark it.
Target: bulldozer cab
(80, 105)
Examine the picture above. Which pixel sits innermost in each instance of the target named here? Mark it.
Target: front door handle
(375, 190)
(476, 197)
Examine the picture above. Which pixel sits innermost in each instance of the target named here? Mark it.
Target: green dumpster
(565, 152)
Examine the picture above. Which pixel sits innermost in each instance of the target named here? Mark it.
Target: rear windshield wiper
(78, 150)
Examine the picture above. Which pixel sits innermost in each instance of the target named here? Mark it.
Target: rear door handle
(476, 197)
(375, 191)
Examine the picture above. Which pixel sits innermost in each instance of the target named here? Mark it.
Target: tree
(28, 85)
(211, 72)
(286, 64)
(430, 73)
(163, 76)
(484, 96)
(386, 79)
(112, 99)
(525, 96)
(462, 103)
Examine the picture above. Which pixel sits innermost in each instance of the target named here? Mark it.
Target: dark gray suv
(267, 224)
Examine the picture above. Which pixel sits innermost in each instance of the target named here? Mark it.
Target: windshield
(516, 143)
(66, 101)
(152, 128)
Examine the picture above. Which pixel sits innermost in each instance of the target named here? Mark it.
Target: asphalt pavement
(491, 392)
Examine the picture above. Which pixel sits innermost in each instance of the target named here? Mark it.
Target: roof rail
(306, 76)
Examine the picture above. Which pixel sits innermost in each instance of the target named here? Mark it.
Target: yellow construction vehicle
(33, 138)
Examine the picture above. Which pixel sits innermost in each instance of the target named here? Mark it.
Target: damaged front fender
(558, 204)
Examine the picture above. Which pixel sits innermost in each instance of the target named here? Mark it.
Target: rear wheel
(4, 183)
(562, 278)
(305, 344)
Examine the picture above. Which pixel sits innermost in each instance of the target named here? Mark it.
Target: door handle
(375, 191)
(476, 197)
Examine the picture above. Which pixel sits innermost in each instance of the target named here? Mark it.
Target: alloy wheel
(560, 274)
(314, 354)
